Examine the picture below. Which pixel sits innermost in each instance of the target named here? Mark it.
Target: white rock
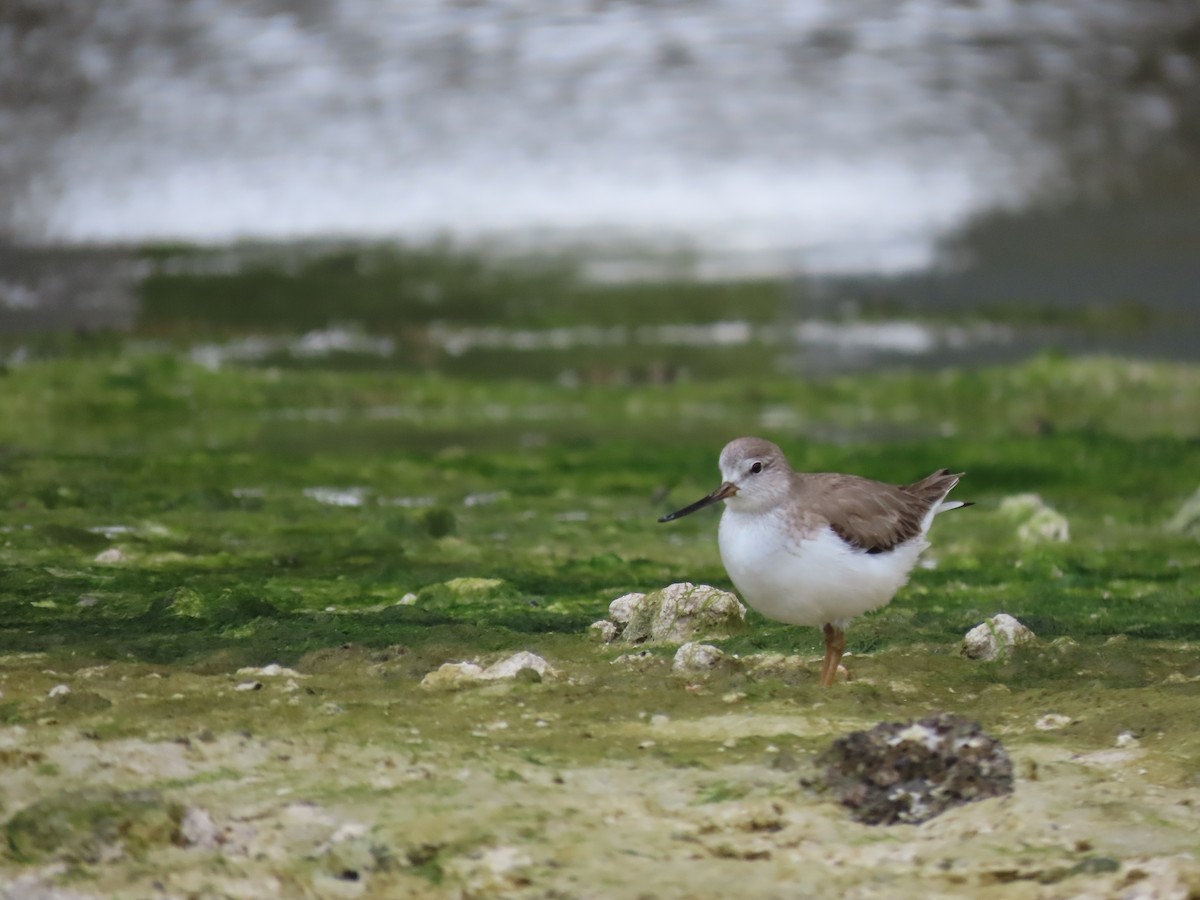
(695, 657)
(452, 676)
(673, 615)
(621, 610)
(348, 831)
(198, 829)
(271, 670)
(111, 556)
(249, 686)
(1127, 739)
(995, 638)
(59, 690)
(1038, 521)
(692, 610)
(330, 496)
(517, 663)
(1052, 722)
(1180, 678)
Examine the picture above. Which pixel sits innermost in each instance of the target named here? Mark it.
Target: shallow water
(465, 314)
(797, 137)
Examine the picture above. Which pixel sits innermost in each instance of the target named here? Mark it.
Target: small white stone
(995, 638)
(348, 831)
(501, 860)
(658, 720)
(1127, 739)
(456, 675)
(249, 686)
(59, 690)
(1052, 722)
(517, 663)
(271, 670)
(354, 496)
(695, 657)
(198, 829)
(111, 556)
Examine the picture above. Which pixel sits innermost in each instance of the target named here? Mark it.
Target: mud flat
(222, 590)
(344, 777)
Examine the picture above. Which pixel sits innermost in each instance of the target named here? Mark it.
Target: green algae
(223, 548)
(82, 826)
(364, 528)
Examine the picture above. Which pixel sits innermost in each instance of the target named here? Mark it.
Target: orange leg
(835, 647)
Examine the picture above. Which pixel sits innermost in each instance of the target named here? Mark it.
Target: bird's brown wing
(872, 515)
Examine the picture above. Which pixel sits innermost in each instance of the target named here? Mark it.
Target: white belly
(812, 581)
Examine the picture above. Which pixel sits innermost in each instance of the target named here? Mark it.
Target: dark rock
(913, 771)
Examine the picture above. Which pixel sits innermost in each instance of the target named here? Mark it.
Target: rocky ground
(347, 777)
(261, 635)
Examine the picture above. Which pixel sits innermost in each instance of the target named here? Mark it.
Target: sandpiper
(818, 548)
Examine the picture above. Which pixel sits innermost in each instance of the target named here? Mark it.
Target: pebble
(694, 657)
(995, 638)
(1052, 722)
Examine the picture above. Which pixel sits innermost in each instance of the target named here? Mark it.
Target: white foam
(801, 136)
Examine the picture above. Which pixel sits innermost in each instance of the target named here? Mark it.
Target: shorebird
(818, 548)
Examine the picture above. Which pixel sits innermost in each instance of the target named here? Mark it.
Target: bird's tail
(934, 488)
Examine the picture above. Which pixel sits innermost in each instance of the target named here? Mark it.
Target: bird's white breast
(808, 579)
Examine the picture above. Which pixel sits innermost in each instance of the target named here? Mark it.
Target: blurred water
(805, 136)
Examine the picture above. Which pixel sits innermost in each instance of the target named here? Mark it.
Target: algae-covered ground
(222, 583)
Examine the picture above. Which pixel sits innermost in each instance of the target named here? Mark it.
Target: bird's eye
(756, 468)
